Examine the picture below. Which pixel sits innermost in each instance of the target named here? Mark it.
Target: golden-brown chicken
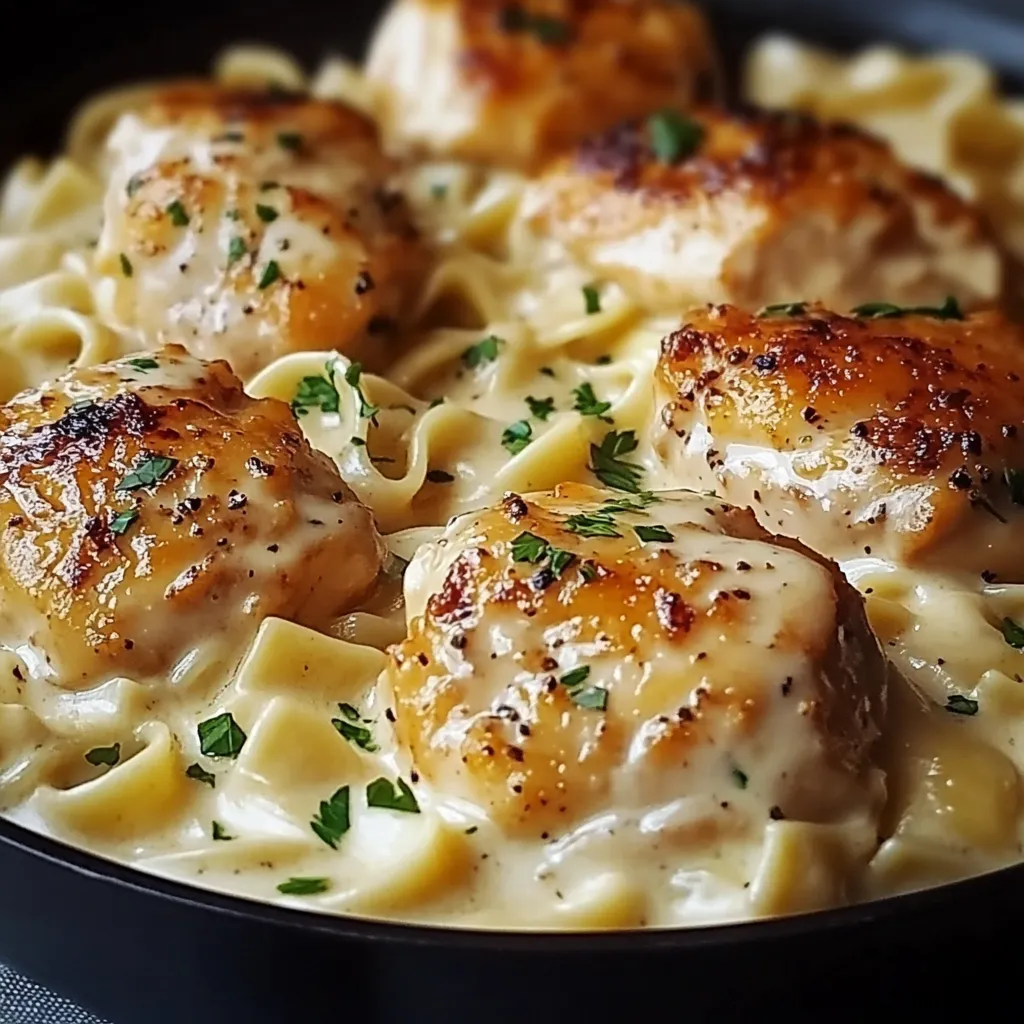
(150, 507)
(759, 208)
(248, 226)
(513, 83)
(897, 436)
(584, 652)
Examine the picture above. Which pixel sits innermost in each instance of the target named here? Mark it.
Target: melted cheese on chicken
(149, 504)
(577, 653)
(890, 437)
(760, 208)
(250, 226)
(512, 83)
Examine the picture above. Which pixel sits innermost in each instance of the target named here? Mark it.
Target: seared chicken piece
(569, 655)
(760, 208)
(150, 505)
(250, 226)
(897, 436)
(513, 83)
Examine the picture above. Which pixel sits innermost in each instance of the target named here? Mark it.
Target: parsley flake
(236, 250)
(958, 704)
(221, 736)
(594, 698)
(381, 793)
(271, 273)
(528, 547)
(177, 213)
(267, 214)
(438, 191)
(108, 756)
(317, 393)
(609, 468)
(673, 137)
(147, 473)
(304, 886)
(485, 351)
(541, 408)
(333, 820)
(353, 732)
(123, 522)
(517, 436)
(218, 831)
(353, 375)
(592, 524)
(1013, 633)
(126, 266)
(135, 182)
(591, 299)
(653, 535)
(949, 310)
(739, 777)
(144, 363)
(586, 402)
(200, 774)
(783, 309)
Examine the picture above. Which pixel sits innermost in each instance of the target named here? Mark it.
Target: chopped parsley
(200, 774)
(588, 570)
(147, 473)
(595, 698)
(289, 140)
(440, 476)
(218, 832)
(1015, 482)
(353, 375)
(304, 886)
(177, 213)
(783, 309)
(271, 273)
(609, 468)
(485, 351)
(236, 250)
(542, 408)
(123, 522)
(1013, 633)
(517, 436)
(352, 730)
(528, 547)
(591, 299)
(267, 214)
(653, 534)
(108, 756)
(587, 403)
(958, 704)
(438, 191)
(381, 793)
(637, 504)
(135, 182)
(673, 137)
(949, 310)
(333, 821)
(144, 363)
(317, 393)
(592, 524)
(739, 777)
(126, 266)
(221, 736)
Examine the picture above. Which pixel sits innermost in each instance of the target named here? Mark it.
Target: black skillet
(138, 950)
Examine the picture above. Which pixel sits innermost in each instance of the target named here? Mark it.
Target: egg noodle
(508, 347)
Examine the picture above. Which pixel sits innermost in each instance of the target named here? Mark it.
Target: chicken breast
(583, 652)
(759, 208)
(513, 83)
(248, 226)
(150, 507)
(892, 434)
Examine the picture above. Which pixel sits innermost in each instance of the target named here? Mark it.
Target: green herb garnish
(516, 436)
(200, 774)
(592, 524)
(783, 309)
(653, 535)
(236, 250)
(144, 363)
(221, 736)
(739, 777)
(594, 698)
(381, 793)
(949, 310)
(218, 831)
(1013, 633)
(108, 756)
(267, 214)
(317, 393)
(135, 182)
(591, 299)
(353, 375)
(958, 704)
(542, 408)
(147, 473)
(123, 521)
(485, 351)
(177, 213)
(304, 886)
(352, 731)
(673, 137)
(609, 468)
(586, 402)
(126, 266)
(333, 821)
(271, 273)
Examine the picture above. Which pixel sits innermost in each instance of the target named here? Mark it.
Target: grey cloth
(24, 1002)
